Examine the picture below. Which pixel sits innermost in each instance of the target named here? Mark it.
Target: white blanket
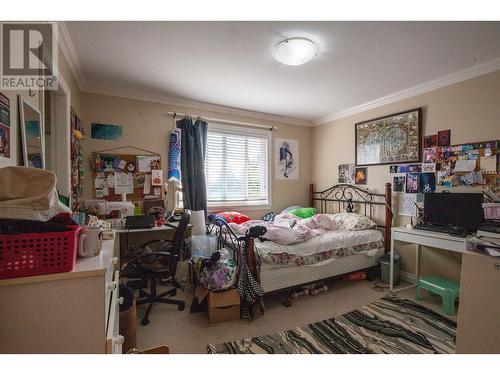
(330, 240)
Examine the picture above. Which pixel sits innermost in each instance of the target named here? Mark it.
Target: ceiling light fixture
(295, 51)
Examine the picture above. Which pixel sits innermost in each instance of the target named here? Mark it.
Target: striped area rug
(389, 325)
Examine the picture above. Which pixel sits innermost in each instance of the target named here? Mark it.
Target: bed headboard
(344, 196)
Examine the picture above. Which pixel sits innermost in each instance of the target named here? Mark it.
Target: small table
(422, 238)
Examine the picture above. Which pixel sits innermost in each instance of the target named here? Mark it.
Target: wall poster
(286, 159)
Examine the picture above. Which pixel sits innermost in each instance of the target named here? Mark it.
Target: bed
(281, 268)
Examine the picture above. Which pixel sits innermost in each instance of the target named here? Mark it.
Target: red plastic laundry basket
(33, 254)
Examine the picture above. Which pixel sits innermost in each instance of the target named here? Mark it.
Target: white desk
(70, 312)
(422, 238)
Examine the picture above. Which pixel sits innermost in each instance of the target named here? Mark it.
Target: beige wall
(147, 125)
(471, 109)
(37, 102)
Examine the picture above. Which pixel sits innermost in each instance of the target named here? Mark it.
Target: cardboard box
(223, 306)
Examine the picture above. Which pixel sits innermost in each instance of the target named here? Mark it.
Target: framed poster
(106, 131)
(346, 174)
(361, 176)
(393, 139)
(286, 159)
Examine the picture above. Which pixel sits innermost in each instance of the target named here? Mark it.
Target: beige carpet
(190, 333)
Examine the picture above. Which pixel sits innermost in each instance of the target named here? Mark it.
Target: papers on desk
(484, 245)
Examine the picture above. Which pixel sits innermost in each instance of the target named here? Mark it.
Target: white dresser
(73, 312)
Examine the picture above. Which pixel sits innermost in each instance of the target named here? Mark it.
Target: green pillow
(304, 212)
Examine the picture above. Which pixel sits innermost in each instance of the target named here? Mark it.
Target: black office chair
(154, 261)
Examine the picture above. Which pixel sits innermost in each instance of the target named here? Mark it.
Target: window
(237, 166)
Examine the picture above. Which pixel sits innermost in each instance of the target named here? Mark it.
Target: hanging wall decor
(398, 184)
(361, 176)
(77, 136)
(286, 159)
(4, 126)
(124, 173)
(106, 132)
(389, 140)
(346, 174)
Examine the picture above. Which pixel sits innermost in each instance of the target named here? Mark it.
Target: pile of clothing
(29, 194)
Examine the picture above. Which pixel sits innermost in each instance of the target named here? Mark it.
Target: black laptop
(139, 222)
(456, 213)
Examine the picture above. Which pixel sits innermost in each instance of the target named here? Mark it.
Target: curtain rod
(225, 121)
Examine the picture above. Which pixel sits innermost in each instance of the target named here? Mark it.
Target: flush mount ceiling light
(295, 51)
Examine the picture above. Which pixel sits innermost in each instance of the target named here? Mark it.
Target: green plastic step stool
(447, 289)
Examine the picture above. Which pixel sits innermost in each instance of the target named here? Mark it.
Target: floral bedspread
(286, 259)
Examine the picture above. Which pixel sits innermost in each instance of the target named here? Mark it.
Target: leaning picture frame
(392, 139)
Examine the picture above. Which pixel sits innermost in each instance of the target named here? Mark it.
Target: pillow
(353, 221)
(303, 213)
(232, 217)
(288, 209)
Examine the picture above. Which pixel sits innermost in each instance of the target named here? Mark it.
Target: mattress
(273, 278)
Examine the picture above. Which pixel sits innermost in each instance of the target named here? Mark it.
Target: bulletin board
(465, 164)
(105, 164)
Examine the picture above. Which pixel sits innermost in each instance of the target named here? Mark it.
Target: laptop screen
(459, 209)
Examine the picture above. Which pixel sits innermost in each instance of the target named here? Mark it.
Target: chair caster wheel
(181, 307)
(145, 321)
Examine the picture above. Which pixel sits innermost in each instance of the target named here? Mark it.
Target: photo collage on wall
(131, 174)
(464, 164)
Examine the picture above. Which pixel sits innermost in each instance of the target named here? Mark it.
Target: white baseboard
(407, 276)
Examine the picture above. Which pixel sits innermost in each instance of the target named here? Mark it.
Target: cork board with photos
(138, 176)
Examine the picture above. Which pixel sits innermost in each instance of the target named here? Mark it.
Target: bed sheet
(331, 240)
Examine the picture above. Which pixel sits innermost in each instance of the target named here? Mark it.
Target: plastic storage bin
(202, 245)
(32, 254)
(385, 267)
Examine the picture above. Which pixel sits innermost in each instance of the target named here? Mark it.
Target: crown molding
(70, 55)
(199, 107)
(461, 75)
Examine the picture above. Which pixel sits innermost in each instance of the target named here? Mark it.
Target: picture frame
(444, 137)
(392, 139)
(361, 176)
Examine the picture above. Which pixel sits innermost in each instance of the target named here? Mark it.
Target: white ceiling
(230, 63)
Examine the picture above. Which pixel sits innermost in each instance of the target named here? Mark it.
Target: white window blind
(237, 165)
